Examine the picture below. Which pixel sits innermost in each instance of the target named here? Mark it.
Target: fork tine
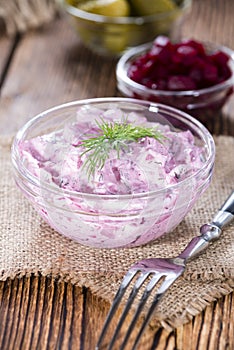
(125, 282)
(154, 280)
(162, 289)
(130, 300)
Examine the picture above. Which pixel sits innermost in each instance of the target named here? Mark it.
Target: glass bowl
(111, 36)
(203, 104)
(106, 220)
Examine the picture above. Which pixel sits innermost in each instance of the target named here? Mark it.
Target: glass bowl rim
(138, 20)
(25, 174)
(122, 77)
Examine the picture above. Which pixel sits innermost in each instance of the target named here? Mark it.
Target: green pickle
(145, 8)
(114, 38)
(160, 7)
(112, 8)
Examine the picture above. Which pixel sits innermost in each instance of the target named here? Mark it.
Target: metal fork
(158, 269)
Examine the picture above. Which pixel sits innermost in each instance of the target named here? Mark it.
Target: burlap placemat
(30, 246)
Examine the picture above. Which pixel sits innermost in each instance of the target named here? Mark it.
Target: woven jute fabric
(22, 15)
(29, 246)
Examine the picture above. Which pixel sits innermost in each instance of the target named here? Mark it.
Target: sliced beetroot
(221, 58)
(199, 47)
(185, 55)
(180, 83)
(210, 73)
(180, 66)
(162, 41)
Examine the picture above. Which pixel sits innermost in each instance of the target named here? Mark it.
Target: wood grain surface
(46, 67)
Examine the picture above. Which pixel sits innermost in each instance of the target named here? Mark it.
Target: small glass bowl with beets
(109, 27)
(196, 77)
(144, 188)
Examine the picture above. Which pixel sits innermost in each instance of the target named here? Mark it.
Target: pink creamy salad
(146, 165)
(114, 207)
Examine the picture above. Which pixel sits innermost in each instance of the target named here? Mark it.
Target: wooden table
(50, 66)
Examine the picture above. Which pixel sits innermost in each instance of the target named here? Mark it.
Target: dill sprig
(113, 136)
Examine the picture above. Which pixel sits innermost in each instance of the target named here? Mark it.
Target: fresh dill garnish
(113, 136)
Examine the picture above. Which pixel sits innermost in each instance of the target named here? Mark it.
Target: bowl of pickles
(110, 27)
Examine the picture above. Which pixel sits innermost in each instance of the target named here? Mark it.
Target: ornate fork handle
(210, 232)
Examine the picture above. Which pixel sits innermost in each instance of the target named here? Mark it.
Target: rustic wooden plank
(6, 47)
(29, 329)
(39, 313)
(74, 312)
(229, 319)
(22, 314)
(4, 309)
(184, 336)
(38, 296)
(56, 317)
(13, 314)
(210, 21)
(51, 67)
